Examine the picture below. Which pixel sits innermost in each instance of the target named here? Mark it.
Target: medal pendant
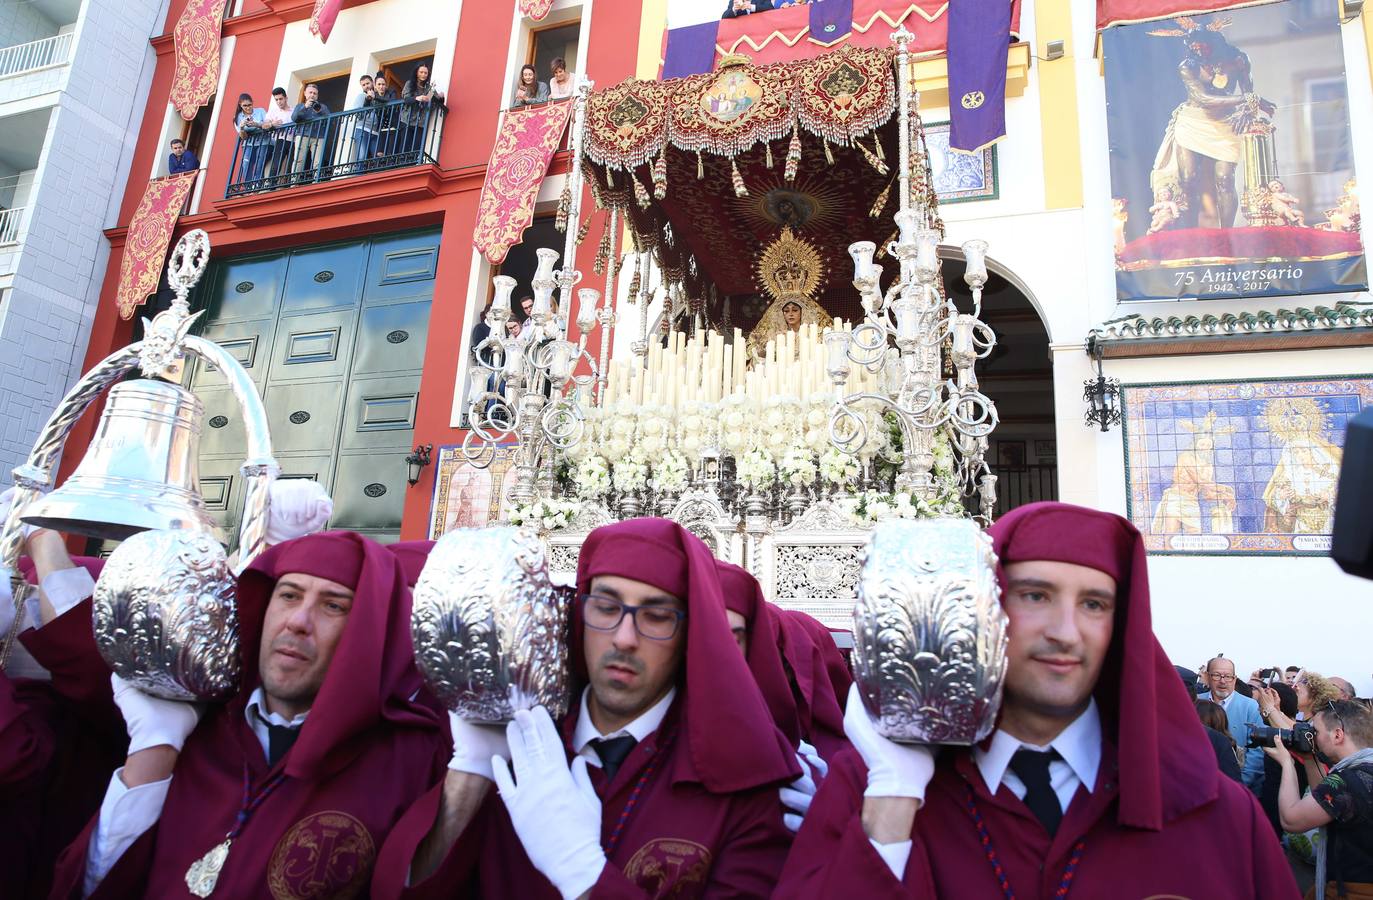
(204, 872)
(1220, 81)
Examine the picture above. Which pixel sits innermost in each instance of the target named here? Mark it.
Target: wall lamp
(1101, 394)
(416, 461)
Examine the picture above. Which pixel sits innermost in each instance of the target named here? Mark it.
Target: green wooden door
(333, 336)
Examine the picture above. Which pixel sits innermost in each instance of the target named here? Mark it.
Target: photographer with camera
(1341, 805)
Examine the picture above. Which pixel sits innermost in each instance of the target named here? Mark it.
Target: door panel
(402, 266)
(247, 288)
(381, 413)
(392, 338)
(369, 492)
(313, 346)
(325, 277)
(303, 416)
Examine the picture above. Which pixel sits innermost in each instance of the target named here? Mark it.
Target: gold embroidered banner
(519, 161)
(150, 233)
(196, 40)
(323, 18)
(535, 9)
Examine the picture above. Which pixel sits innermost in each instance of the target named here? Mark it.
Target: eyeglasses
(1330, 707)
(1221, 677)
(657, 623)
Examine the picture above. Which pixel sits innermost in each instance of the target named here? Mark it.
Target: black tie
(613, 751)
(279, 740)
(1033, 768)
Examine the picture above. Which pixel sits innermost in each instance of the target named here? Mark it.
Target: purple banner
(979, 33)
(690, 50)
(830, 20)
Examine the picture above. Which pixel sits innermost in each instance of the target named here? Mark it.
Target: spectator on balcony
(278, 117)
(180, 159)
(248, 123)
(421, 98)
(561, 84)
(308, 116)
(388, 117)
(744, 7)
(528, 89)
(367, 124)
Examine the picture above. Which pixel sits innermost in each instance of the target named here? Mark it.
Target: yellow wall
(1058, 118)
(652, 25)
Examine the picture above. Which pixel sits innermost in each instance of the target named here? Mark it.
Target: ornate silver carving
(489, 627)
(929, 633)
(165, 617)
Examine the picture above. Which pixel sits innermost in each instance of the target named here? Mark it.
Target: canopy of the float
(706, 170)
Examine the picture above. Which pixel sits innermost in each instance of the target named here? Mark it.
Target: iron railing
(11, 221)
(1018, 485)
(21, 58)
(340, 145)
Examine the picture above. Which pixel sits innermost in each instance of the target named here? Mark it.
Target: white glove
(6, 602)
(796, 797)
(6, 501)
(298, 506)
(894, 770)
(474, 746)
(554, 809)
(152, 721)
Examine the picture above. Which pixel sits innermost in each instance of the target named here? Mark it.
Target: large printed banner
(149, 235)
(1246, 467)
(519, 161)
(1232, 168)
(196, 42)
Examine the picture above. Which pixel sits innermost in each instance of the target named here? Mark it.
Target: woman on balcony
(529, 90)
(421, 98)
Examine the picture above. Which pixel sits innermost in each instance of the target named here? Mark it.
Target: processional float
(662, 435)
(164, 614)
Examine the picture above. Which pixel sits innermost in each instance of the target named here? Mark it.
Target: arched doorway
(1018, 376)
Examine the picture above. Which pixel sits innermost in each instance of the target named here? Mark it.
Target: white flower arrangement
(545, 514)
(874, 506)
(797, 466)
(756, 469)
(838, 467)
(630, 472)
(592, 477)
(671, 473)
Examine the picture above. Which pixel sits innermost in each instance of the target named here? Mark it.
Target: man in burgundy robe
(675, 762)
(60, 735)
(289, 789)
(1098, 781)
(820, 676)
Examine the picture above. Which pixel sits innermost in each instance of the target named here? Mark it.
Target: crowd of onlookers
(1303, 743)
(289, 143)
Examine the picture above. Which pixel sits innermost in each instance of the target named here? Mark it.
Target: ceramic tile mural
(466, 495)
(1247, 467)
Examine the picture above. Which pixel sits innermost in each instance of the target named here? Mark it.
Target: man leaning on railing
(366, 124)
(279, 116)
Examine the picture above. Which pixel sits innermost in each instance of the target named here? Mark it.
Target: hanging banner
(149, 236)
(196, 42)
(979, 33)
(1124, 12)
(323, 18)
(519, 161)
(535, 9)
(1232, 167)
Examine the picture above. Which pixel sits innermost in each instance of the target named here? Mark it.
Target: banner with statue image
(1238, 468)
(1232, 166)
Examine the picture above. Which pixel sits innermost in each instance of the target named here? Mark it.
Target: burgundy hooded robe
(59, 742)
(1160, 822)
(364, 753)
(821, 677)
(707, 819)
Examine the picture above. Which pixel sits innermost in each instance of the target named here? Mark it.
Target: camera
(1267, 674)
(1300, 738)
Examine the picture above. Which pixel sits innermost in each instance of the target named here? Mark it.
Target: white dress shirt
(1079, 744)
(127, 812)
(640, 728)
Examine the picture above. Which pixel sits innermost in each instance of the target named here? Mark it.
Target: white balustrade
(11, 221)
(21, 58)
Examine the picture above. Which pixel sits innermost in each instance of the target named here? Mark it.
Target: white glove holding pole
(297, 507)
(152, 721)
(797, 796)
(554, 809)
(474, 746)
(894, 770)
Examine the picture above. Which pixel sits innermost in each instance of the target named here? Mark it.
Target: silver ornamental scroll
(929, 632)
(490, 627)
(165, 618)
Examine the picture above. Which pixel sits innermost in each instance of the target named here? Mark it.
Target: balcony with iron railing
(11, 226)
(28, 70)
(341, 145)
